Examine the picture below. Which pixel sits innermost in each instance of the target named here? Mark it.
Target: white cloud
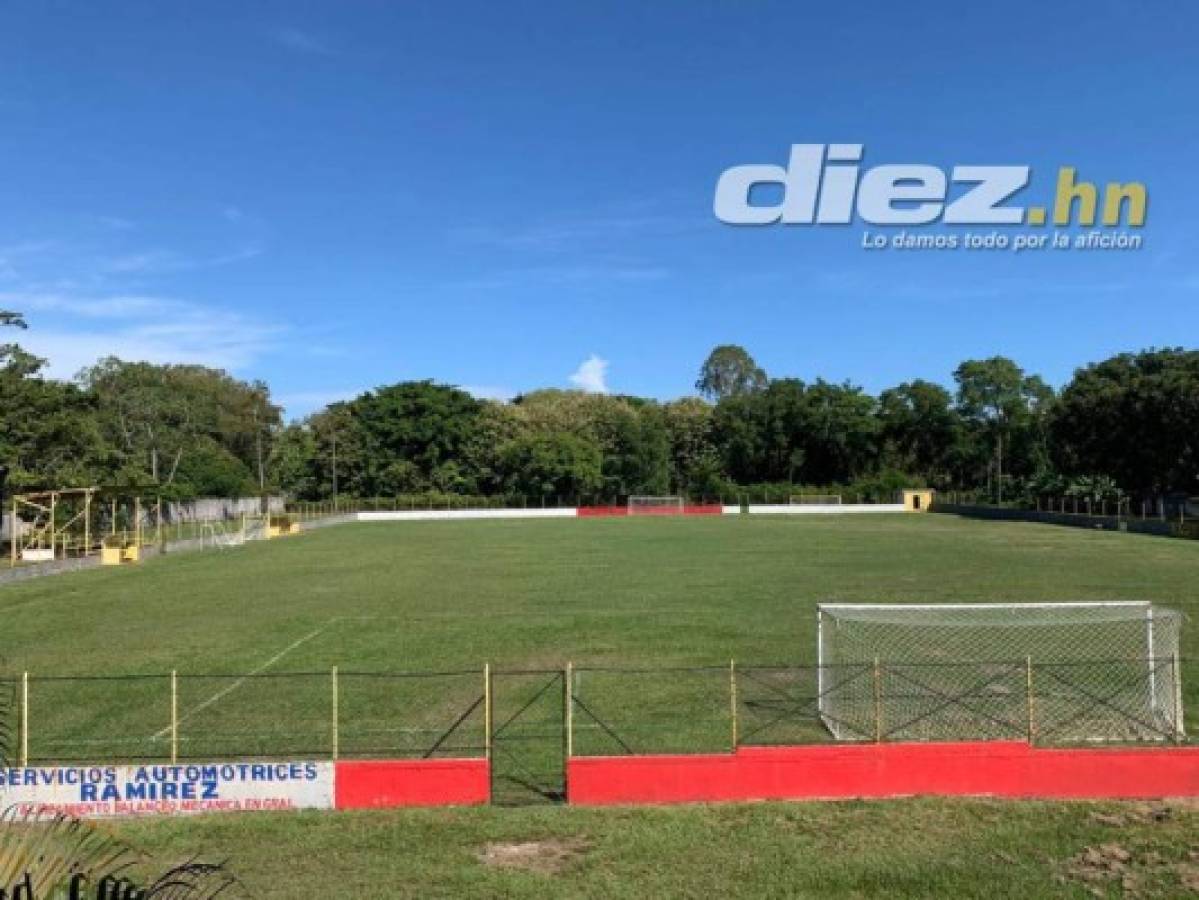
(591, 375)
(140, 262)
(110, 307)
(155, 261)
(14, 256)
(137, 328)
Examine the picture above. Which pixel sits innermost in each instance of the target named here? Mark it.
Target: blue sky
(333, 196)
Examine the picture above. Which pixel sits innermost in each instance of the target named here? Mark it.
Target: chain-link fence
(530, 720)
(265, 715)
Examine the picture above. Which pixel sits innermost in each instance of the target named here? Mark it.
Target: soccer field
(255, 632)
(654, 591)
(648, 593)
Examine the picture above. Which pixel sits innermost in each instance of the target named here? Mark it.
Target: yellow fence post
(487, 710)
(733, 699)
(25, 719)
(174, 716)
(1032, 710)
(878, 701)
(568, 713)
(336, 737)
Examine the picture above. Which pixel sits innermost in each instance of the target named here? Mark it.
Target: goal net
(655, 506)
(1051, 672)
(222, 534)
(815, 499)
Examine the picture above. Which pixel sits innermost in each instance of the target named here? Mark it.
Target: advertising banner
(101, 791)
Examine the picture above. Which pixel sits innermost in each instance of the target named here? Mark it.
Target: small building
(917, 499)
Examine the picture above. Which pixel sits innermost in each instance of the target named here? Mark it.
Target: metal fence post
(487, 710)
(336, 736)
(174, 716)
(568, 712)
(1032, 716)
(24, 716)
(733, 699)
(878, 701)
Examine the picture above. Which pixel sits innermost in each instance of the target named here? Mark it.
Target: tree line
(1126, 426)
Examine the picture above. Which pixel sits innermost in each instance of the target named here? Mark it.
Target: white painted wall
(819, 509)
(423, 515)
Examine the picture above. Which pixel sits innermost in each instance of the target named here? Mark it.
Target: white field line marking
(159, 735)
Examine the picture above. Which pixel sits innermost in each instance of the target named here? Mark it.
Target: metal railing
(594, 710)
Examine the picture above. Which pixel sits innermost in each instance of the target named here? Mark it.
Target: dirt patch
(548, 857)
(1136, 873)
(1137, 814)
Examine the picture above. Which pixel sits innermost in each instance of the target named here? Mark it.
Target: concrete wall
(818, 509)
(425, 515)
(206, 509)
(988, 768)
(1103, 523)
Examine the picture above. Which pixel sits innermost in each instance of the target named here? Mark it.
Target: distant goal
(656, 506)
(815, 499)
(1051, 672)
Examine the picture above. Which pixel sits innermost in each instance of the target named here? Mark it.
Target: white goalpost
(655, 506)
(815, 500)
(222, 534)
(1067, 672)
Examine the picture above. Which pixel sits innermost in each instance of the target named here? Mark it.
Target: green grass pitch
(447, 596)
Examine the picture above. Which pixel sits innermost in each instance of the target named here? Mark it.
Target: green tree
(761, 434)
(341, 457)
(694, 459)
(1135, 418)
(630, 433)
(1007, 407)
(293, 462)
(423, 427)
(498, 424)
(48, 434)
(209, 469)
(840, 433)
(919, 428)
(552, 465)
(791, 432)
(729, 371)
(155, 416)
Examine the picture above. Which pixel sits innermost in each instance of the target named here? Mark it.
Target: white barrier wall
(425, 515)
(100, 791)
(421, 515)
(802, 509)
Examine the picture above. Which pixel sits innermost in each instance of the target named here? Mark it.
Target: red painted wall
(366, 784)
(588, 512)
(696, 509)
(1001, 769)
